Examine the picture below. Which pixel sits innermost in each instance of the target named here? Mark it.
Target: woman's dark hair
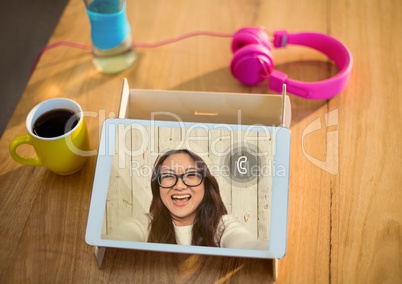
(208, 213)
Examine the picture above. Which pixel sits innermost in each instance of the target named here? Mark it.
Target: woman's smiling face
(181, 200)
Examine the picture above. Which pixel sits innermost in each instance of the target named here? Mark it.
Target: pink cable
(56, 44)
(136, 45)
(179, 38)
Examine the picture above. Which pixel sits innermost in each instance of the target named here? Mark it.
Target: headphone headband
(252, 59)
(332, 48)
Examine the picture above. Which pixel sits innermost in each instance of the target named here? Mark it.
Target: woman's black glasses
(191, 178)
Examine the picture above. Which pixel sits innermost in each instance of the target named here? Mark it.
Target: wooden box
(114, 200)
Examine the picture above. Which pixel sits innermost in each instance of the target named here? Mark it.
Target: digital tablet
(197, 188)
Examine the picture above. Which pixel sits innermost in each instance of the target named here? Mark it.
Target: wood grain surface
(345, 215)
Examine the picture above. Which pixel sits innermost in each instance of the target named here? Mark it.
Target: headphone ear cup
(252, 64)
(249, 35)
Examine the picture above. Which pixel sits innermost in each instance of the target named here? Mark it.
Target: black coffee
(55, 123)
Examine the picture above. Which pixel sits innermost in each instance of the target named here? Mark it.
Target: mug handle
(25, 139)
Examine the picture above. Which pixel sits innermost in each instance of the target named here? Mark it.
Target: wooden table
(345, 207)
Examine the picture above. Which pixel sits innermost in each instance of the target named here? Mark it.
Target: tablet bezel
(279, 204)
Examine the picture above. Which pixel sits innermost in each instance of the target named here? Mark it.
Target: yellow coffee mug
(64, 154)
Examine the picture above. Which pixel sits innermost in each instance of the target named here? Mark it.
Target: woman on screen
(186, 204)
(187, 208)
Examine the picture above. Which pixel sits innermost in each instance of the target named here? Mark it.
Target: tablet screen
(191, 187)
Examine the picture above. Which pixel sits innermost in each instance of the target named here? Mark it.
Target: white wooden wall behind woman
(138, 147)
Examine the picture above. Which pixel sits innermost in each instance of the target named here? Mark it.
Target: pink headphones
(252, 61)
